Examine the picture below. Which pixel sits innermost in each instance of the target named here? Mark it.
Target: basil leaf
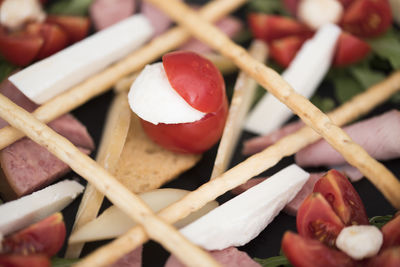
(346, 87)
(274, 261)
(61, 262)
(70, 7)
(5, 69)
(366, 76)
(266, 6)
(325, 104)
(388, 47)
(380, 221)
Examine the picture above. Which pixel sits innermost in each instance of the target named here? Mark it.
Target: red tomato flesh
(350, 49)
(272, 27)
(15, 260)
(196, 80)
(367, 18)
(195, 137)
(304, 252)
(76, 27)
(343, 198)
(391, 233)
(317, 220)
(387, 258)
(284, 50)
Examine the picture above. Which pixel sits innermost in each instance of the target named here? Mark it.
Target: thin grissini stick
(128, 202)
(241, 173)
(224, 65)
(243, 95)
(110, 149)
(354, 154)
(105, 79)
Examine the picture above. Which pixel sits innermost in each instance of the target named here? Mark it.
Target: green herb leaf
(380, 221)
(366, 76)
(388, 47)
(274, 261)
(61, 262)
(325, 104)
(267, 6)
(70, 7)
(345, 87)
(5, 69)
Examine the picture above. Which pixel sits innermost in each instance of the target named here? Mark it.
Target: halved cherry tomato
(15, 260)
(367, 18)
(195, 137)
(304, 252)
(195, 79)
(292, 6)
(272, 27)
(20, 48)
(342, 197)
(346, 3)
(55, 39)
(391, 233)
(389, 257)
(76, 27)
(201, 85)
(350, 49)
(317, 220)
(284, 50)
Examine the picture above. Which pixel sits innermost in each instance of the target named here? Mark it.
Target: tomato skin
(367, 18)
(20, 48)
(272, 27)
(292, 6)
(317, 220)
(389, 257)
(391, 233)
(343, 198)
(304, 252)
(195, 79)
(76, 27)
(284, 50)
(350, 49)
(195, 137)
(14, 260)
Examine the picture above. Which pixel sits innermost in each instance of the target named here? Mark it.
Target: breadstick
(354, 154)
(243, 95)
(112, 142)
(241, 173)
(128, 202)
(105, 79)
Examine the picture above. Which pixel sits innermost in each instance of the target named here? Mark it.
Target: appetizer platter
(144, 117)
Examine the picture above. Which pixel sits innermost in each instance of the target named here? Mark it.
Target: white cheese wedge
(316, 13)
(57, 73)
(20, 213)
(242, 218)
(304, 74)
(360, 241)
(113, 222)
(153, 99)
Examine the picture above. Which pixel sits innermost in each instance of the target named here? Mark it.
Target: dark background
(267, 244)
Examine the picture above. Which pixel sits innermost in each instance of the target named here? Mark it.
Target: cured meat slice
(131, 259)
(230, 257)
(25, 165)
(105, 13)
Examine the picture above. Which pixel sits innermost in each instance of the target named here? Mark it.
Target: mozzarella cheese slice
(57, 73)
(153, 99)
(304, 74)
(242, 218)
(20, 213)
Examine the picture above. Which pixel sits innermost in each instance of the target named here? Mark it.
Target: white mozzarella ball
(316, 13)
(14, 13)
(360, 241)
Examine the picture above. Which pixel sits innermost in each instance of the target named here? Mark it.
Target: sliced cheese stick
(242, 218)
(29, 209)
(304, 74)
(57, 73)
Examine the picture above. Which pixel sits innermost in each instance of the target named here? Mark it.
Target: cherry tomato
(20, 48)
(15, 260)
(284, 50)
(201, 84)
(391, 233)
(76, 27)
(54, 37)
(389, 257)
(272, 27)
(367, 18)
(350, 49)
(304, 252)
(292, 6)
(317, 220)
(343, 198)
